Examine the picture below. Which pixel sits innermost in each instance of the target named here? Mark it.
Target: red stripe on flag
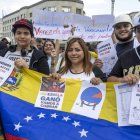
(99, 95)
(11, 137)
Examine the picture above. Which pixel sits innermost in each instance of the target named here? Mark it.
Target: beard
(126, 38)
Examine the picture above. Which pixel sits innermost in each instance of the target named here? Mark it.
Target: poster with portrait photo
(51, 94)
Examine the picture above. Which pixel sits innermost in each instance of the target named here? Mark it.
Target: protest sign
(46, 23)
(6, 67)
(107, 53)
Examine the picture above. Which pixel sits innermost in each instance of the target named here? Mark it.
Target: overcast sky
(91, 7)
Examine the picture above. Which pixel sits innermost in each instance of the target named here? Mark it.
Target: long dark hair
(87, 65)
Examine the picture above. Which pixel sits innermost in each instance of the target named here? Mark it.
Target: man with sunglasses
(127, 68)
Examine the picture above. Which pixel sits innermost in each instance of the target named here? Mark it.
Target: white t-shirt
(49, 61)
(17, 55)
(81, 76)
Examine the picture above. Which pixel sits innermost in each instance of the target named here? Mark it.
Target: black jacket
(38, 60)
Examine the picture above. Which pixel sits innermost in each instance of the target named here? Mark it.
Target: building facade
(73, 6)
(1, 29)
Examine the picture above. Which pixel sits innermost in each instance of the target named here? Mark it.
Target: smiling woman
(77, 63)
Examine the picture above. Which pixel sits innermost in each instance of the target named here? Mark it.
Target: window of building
(78, 11)
(66, 9)
(52, 9)
(30, 15)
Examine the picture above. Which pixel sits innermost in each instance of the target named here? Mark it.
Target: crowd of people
(75, 61)
(46, 55)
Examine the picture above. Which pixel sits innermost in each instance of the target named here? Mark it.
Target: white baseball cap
(121, 19)
(136, 20)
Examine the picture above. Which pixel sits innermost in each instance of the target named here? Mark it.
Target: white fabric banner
(57, 25)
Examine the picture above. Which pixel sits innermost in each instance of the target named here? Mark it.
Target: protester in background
(51, 50)
(91, 48)
(136, 23)
(39, 44)
(127, 68)
(123, 36)
(60, 61)
(23, 53)
(5, 43)
(78, 65)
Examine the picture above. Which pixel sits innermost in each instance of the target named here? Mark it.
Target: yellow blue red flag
(22, 121)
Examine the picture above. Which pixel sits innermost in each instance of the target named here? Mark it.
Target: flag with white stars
(22, 121)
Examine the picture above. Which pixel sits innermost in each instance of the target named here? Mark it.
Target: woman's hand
(96, 81)
(21, 63)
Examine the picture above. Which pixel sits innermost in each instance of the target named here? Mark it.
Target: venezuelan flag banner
(22, 121)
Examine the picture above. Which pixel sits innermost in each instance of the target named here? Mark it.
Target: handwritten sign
(57, 25)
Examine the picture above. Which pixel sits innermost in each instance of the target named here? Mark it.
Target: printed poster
(134, 117)
(6, 68)
(107, 53)
(123, 97)
(90, 100)
(51, 94)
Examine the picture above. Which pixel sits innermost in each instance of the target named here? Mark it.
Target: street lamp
(112, 7)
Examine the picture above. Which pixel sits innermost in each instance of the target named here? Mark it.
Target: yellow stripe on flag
(31, 81)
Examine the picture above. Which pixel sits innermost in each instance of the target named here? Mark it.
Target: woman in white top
(77, 63)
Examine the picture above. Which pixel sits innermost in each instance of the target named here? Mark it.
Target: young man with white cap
(127, 68)
(23, 53)
(124, 35)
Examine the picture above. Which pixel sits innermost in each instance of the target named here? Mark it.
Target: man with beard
(124, 35)
(128, 70)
